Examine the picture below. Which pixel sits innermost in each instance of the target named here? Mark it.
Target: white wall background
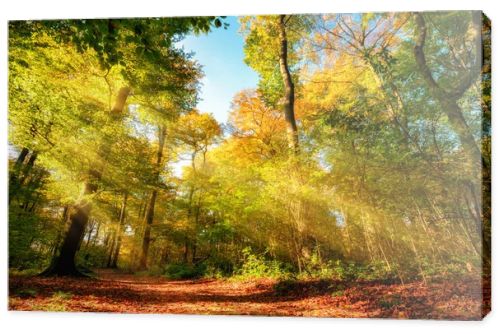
(73, 323)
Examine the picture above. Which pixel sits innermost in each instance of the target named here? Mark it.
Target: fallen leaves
(113, 292)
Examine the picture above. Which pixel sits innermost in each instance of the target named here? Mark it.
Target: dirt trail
(115, 292)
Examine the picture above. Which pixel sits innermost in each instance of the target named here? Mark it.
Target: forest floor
(127, 293)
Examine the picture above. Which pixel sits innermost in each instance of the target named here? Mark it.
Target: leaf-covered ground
(114, 292)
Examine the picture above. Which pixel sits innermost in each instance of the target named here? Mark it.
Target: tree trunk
(17, 166)
(289, 97)
(111, 249)
(123, 211)
(186, 250)
(97, 231)
(143, 264)
(21, 157)
(64, 264)
(193, 251)
(15, 174)
(27, 169)
(147, 231)
(448, 99)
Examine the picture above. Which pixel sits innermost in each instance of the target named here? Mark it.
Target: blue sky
(221, 55)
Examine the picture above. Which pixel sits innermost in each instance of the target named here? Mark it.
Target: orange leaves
(335, 86)
(250, 115)
(196, 130)
(132, 294)
(258, 127)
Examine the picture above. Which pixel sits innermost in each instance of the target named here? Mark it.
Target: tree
(153, 39)
(467, 65)
(448, 97)
(115, 251)
(64, 264)
(258, 128)
(267, 50)
(386, 184)
(195, 133)
(169, 89)
(150, 211)
(289, 96)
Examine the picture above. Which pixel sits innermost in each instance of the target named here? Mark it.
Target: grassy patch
(62, 295)
(26, 293)
(338, 293)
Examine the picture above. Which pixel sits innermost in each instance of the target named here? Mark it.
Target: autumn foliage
(352, 181)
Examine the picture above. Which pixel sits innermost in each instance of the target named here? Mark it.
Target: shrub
(24, 272)
(92, 257)
(257, 266)
(184, 271)
(349, 271)
(28, 246)
(62, 295)
(217, 267)
(27, 293)
(316, 268)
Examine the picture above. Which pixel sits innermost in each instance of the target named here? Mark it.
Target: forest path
(126, 293)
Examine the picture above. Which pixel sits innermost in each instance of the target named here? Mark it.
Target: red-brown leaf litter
(126, 293)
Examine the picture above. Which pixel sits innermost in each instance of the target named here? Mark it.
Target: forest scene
(319, 165)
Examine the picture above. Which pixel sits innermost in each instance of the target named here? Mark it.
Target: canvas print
(315, 165)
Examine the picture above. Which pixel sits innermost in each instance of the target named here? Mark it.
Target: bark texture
(289, 94)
